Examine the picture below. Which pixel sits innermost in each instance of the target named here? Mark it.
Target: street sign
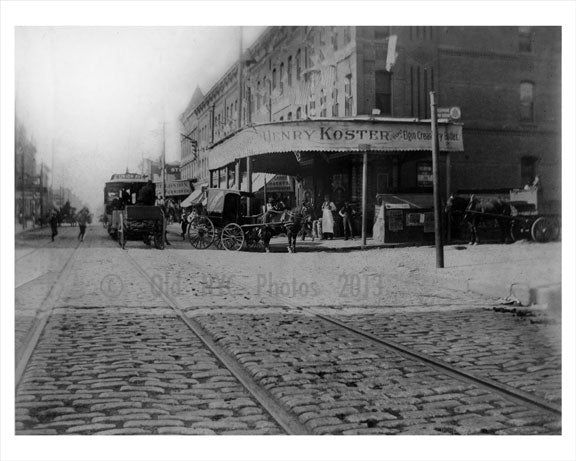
(452, 113)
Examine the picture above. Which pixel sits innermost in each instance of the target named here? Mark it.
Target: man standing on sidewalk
(346, 213)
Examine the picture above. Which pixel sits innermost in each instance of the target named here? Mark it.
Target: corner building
(308, 101)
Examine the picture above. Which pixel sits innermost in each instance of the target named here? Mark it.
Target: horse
(288, 221)
(474, 210)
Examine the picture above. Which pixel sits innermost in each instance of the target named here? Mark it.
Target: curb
(549, 296)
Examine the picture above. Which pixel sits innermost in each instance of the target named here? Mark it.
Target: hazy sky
(99, 95)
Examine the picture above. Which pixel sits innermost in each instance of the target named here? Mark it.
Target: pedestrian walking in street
(53, 219)
(346, 212)
(328, 208)
(82, 220)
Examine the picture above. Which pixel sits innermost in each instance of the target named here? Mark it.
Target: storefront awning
(195, 197)
(334, 135)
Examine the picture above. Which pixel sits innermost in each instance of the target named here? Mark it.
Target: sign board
(333, 136)
(280, 183)
(452, 113)
(424, 175)
(174, 188)
(395, 220)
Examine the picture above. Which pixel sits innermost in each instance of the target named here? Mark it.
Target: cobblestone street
(118, 352)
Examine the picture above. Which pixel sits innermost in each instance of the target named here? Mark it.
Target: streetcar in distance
(120, 191)
(130, 216)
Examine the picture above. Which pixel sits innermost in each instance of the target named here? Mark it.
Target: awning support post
(364, 195)
(448, 192)
(237, 173)
(249, 188)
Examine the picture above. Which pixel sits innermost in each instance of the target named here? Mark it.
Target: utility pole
(364, 193)
(163, 160)
(436, 184)
(42, 193)
(23, 208)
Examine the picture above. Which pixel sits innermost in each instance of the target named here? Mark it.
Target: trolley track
(287, 421)
(47, 306)
(511, 393)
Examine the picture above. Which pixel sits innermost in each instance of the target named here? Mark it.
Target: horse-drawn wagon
(519, 215)
(222, 223)
(139, 221)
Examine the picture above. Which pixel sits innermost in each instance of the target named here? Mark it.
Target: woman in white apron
(327, 219)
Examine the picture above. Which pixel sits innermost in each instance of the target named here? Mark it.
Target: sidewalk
(528, 271)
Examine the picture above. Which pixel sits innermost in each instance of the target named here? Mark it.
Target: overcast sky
(99, 95)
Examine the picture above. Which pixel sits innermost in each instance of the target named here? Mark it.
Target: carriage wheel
(544, 230)
(232, 237)
(201, 232)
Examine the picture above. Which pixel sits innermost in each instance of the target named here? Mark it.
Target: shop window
(525, 39)
(289, 70)
(424, 174)
(381, 32)
(384, 92)
(527, 102)
(527, 170)
(348, 95)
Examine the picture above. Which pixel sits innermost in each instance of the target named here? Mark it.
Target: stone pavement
(114, 360)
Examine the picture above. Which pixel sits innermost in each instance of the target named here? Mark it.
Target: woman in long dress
(327, 219)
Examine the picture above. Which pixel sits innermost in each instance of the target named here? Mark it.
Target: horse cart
(222, 224)
(529, 220)
(138, 221)
(519, 215)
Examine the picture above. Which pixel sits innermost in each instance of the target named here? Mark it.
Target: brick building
(505, 80)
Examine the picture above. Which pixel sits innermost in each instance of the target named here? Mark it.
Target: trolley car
(124, 218)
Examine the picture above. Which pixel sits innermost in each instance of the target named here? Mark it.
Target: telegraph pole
(41, 193)
(164, 161)
(436, 184)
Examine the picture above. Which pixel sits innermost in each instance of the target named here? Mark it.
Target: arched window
(281, 79)
(274, 81)
(289, 70)
(298, 113)
(289, 117)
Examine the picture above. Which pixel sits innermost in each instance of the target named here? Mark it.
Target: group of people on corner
(324, 227)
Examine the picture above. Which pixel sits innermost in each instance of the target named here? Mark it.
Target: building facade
(505, 80)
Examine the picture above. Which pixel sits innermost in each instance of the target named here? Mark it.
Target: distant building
(313, 97)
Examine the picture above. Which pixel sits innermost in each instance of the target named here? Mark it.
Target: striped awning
(378, 135)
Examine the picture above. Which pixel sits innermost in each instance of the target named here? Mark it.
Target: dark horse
(286, 221)
(471, 211)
